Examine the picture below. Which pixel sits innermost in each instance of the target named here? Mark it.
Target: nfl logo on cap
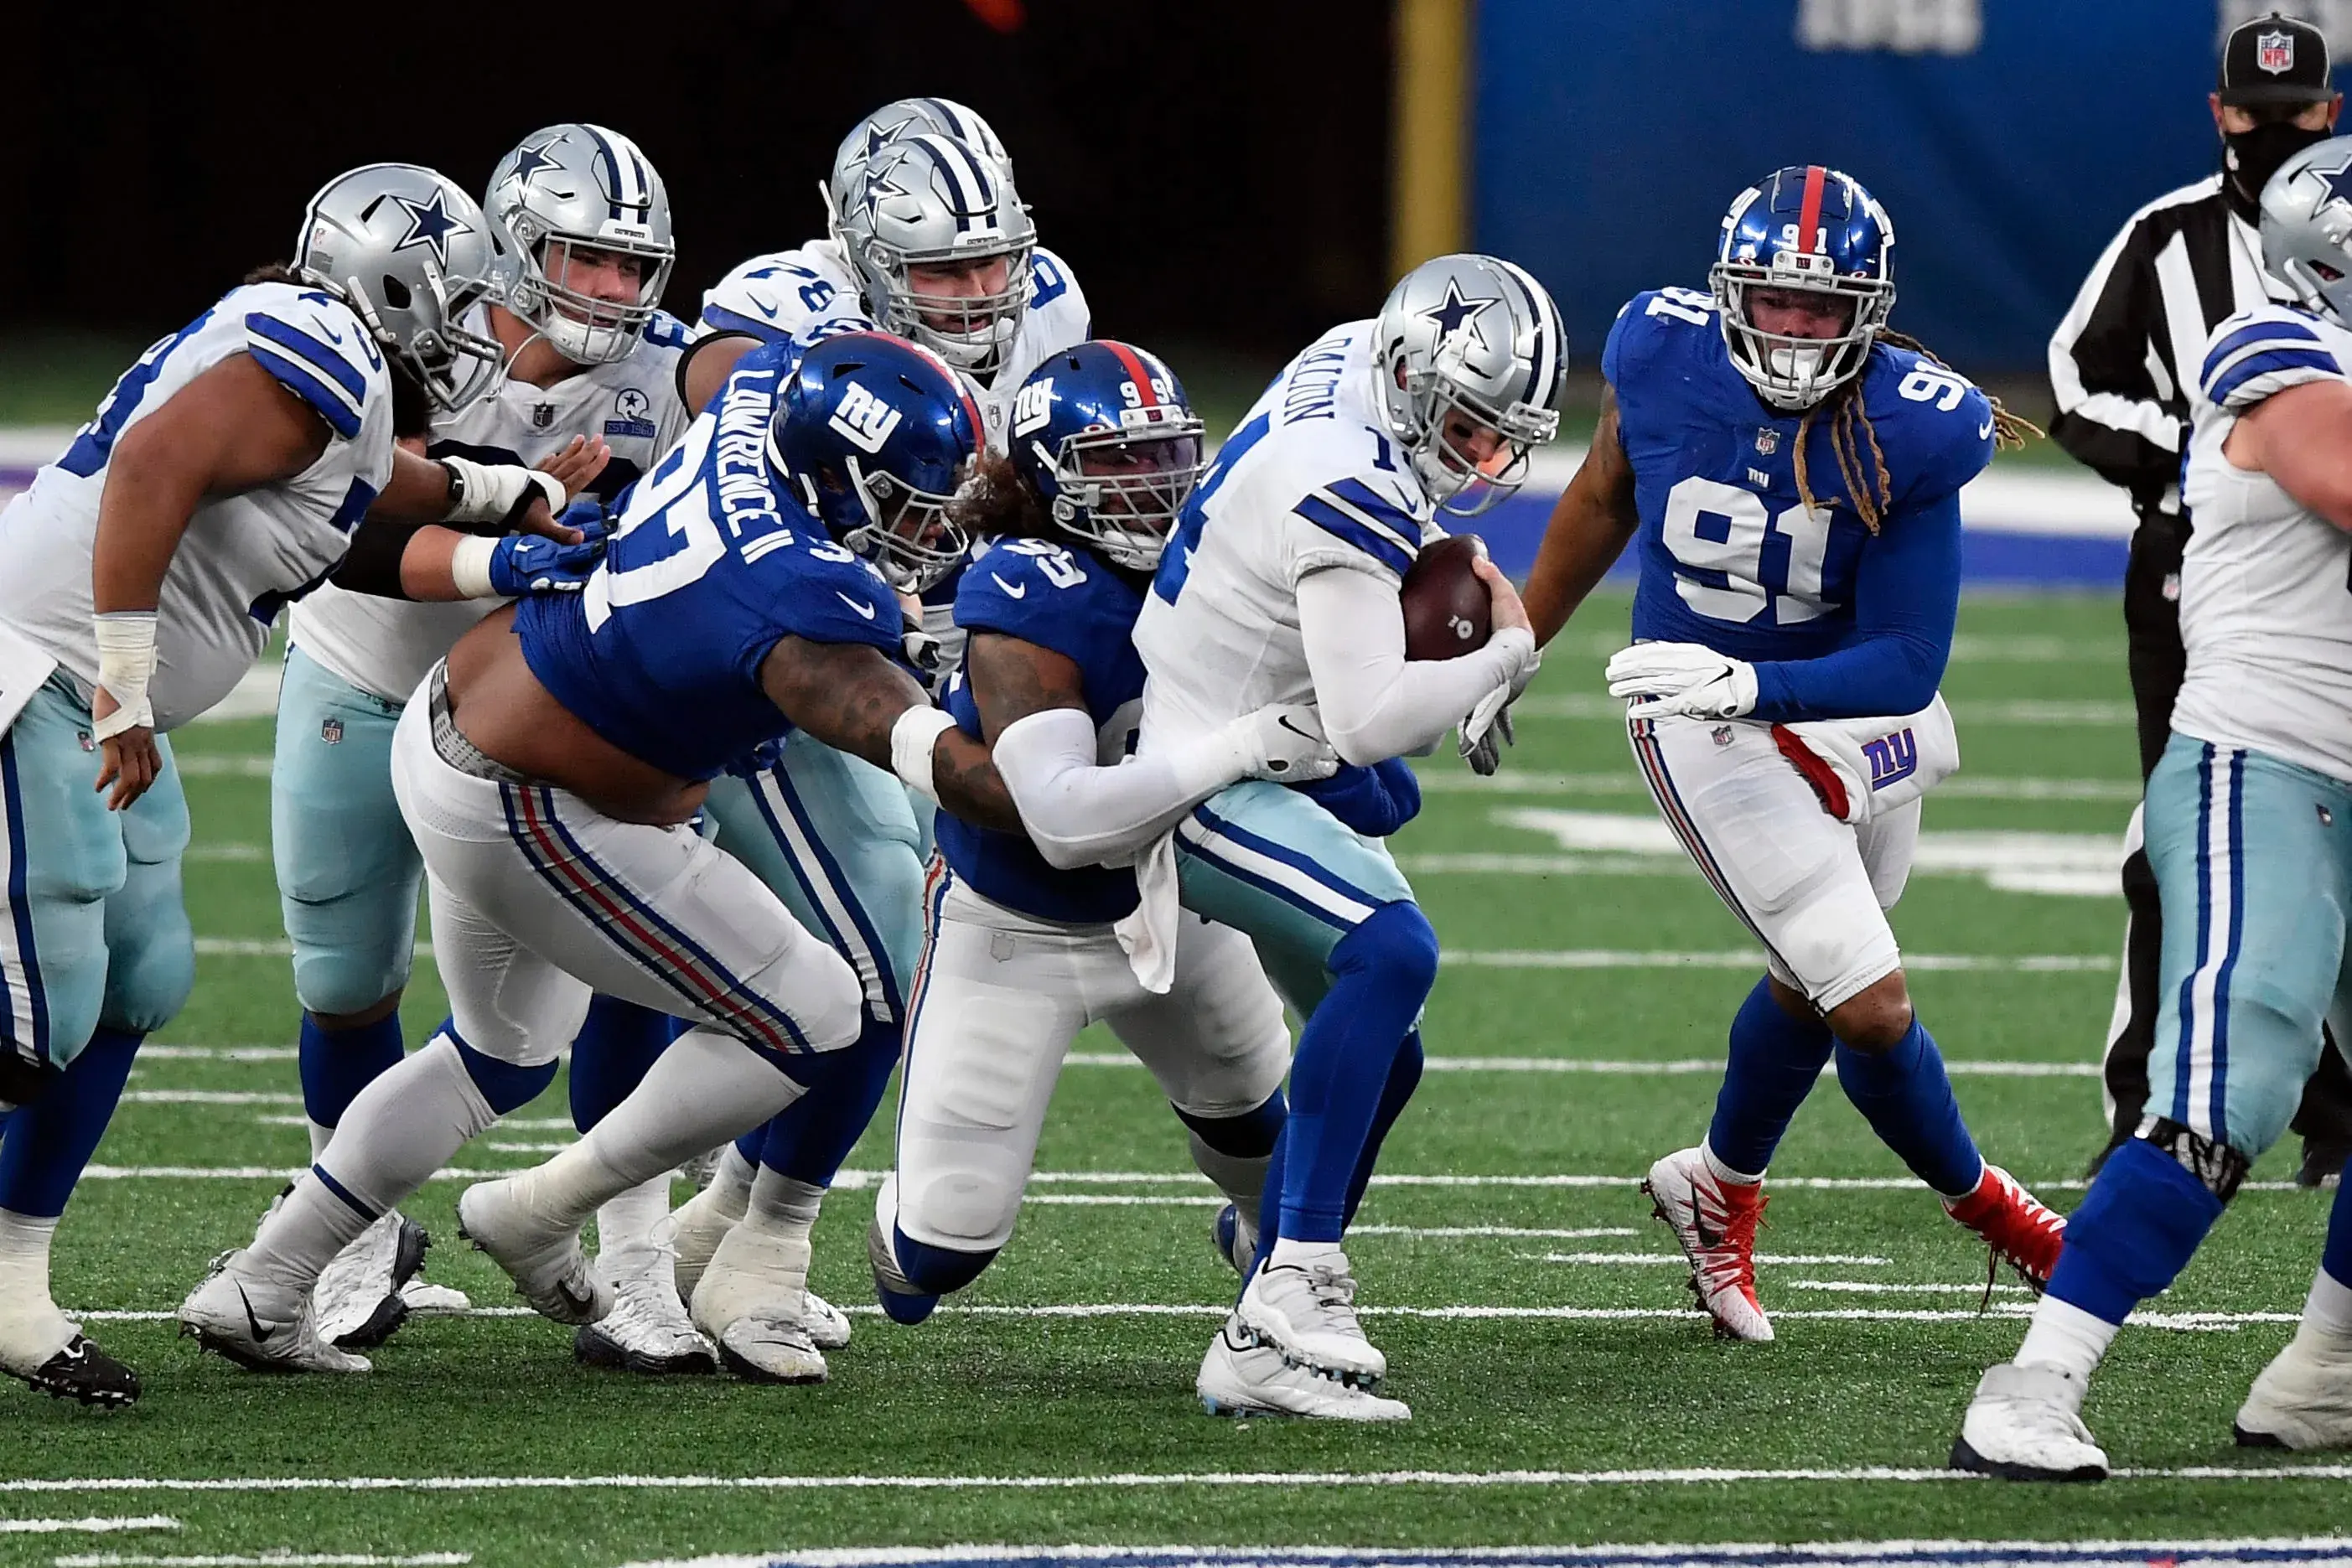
(2274, 52)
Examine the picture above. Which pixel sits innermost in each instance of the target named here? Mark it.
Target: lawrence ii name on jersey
(2265, 584)
(244, 556)
(384, 646)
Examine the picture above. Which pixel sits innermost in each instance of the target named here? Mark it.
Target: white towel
(1148, 934)
(25, 668)
(1865, 767)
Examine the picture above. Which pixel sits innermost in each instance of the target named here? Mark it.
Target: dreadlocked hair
(1851, 434)
(995, 502)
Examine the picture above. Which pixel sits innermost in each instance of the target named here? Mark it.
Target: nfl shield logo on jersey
(2274, 52)
(1767, 440)
(542, 415)
(331, 730)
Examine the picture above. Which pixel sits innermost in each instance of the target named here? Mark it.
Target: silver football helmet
(899, 118)
(410, 253)
(928, 200)
(571, 189)
(2306, 227)
(1473, 336)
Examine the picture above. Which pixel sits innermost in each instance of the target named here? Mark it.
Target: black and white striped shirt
(2122, 361)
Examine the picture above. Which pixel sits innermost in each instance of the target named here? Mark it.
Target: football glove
(1683, 678)
(525, 563)
(1283, 743)
(1487, 730)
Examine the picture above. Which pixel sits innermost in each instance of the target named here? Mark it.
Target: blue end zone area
(1817, 1554)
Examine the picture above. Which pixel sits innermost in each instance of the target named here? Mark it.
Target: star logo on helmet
(530, 160)
(878, 188)
(430, 223)
(1453, 312)
(2338, 180)
(878, 137)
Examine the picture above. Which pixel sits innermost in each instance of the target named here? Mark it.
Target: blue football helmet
(1812, 229)
(1104, 434)
(875, 436)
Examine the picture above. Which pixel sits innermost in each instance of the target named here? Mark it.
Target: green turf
(1110, 1395)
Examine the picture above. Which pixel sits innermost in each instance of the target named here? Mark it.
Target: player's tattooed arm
(850, 696)
(1590, 527)
(1011, 678)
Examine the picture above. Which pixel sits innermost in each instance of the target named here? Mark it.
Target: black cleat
(393, 1310)
(2323, 1162)
(86, 1373)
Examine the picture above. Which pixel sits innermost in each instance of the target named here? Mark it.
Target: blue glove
(1374, 801)
(586, 513)
(525, 563)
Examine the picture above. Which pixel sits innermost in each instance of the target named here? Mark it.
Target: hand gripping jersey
(2265, 584)
(1309, 481)
(384, 646)
(244, 556)
(1728, 556)
(708, 568)
(1079, 606)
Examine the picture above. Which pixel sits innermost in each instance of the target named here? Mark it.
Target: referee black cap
(2274, 60)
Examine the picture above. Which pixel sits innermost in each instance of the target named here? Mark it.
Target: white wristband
(490, 492)
(913, 740)
(469, 567)
(126, 663)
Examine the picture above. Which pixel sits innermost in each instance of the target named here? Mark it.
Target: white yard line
(1454, 782)
(98, 1526)
(218, 1053)
(1675, 1260)
(223, 764)
(2279, 1550)
(214, 1097)
(1579, 1233)
(267, 1560)
(1879, 1287)
(1116, 1480)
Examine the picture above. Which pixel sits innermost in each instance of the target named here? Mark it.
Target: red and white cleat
(2022, 1231)
(1715, 1222)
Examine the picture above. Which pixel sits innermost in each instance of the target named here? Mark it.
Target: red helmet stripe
(1133, 363)
(1809, 218)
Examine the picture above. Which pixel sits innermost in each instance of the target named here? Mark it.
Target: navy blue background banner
(1609, 139)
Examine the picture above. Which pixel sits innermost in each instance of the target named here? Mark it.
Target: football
(1445, 604)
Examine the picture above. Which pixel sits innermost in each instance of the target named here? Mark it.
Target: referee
(2120, 364)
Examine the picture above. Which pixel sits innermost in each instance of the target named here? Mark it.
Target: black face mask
(2252, 157)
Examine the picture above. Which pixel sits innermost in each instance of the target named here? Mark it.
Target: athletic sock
(1773, 1063)
(1906, 1097)
(31, 1327)
(49, 1142)
(2136, 1230)
(1290, 1253)
(627, 1220)
(781, 1205)
(2063, 1335)
(1381, 975)
(1721, 1170)
(2327, 1311)
(809, 1140)
(610, 1056)
(337, 1065)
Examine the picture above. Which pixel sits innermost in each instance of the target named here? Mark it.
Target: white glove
(496, 492)
(1487, 730)
(1282, 743)
(1683, 678)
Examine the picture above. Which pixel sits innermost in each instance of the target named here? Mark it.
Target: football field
(1533, 1315)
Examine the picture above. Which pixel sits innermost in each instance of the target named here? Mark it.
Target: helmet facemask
(1119, 491)
(582, 327)
(1794, 373)
(972, 332)
(909, 534)
(1461, 483)
(455, 366)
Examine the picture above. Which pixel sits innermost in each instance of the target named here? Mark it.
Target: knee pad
(335, 979)
(1248, 1136)
(816, 988)
(505, 1086)
(937, 1271)
(1397, 944)
(151, 965)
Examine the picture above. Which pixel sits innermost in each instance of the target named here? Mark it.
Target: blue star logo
(1453, 312)
(530, 160)
(878, 188)
(431, 223)
(878, 137)
(2338, 180)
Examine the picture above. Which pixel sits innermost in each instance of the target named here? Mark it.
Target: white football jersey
(243, 557)
(2265, 584)
(384, 646)
(813, 291)
(1310, 481)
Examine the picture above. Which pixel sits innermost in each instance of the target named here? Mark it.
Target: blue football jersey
(1728, 557)
(1071, 602)
(710, 565)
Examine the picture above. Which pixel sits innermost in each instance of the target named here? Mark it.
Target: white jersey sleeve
(243, 557)
(779, 296)
(2262, 351)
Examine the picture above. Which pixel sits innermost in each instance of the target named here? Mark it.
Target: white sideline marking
(268, 1559)
(1878, 1288)
(1797, 1259)
(1692, 1476)
(1745, 958)
(1580, 1233)
(1708, 1066)
(2027, 711)
(1454, 782)
(98, 1526)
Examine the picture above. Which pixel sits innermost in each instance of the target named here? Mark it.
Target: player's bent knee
(938, 1270)
(1397, 941)
(149, 977)
(337, 1023)
(505, 1086)
(1251, 1135)
(1877, 1018)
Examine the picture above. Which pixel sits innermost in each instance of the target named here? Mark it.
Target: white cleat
(749, 1302)
(700, 1224)
(827, 1325)
(259, 1325)
(1309, 1314)
(358, 1302)
(427, 1300)
(2302, 1400)
(546, 1262)
(646, 1331)
(1241, 1377)
(1713, 1222)
(2025, 1425)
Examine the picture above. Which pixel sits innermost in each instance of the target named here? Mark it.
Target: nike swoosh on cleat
(859, 605)
(576, 1302)
(260, 1336)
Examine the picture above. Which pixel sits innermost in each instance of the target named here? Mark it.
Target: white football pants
(1814, 890)
(999, 997)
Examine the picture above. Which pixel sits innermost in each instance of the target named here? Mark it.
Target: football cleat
(86, 1373)
(769, 1347)
(646, 1331)
(1242, 1377)
(259, 1325)
(358, 1302)
(701, 1222)
(2302, 1400)
(2022, 1231)
(1713, 1222)
(545, 1261)
(2025, 1425)
(1234, 1236)
(749, 1303)
(1309, 1314)
(901, 1302)
(827, 1325)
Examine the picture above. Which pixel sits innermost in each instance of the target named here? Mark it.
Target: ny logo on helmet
(1032, 406)
(864, 420)
(2274, 52)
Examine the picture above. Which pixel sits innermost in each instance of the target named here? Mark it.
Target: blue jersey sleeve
(1906, 597)
(829, 595)
(1035, 590)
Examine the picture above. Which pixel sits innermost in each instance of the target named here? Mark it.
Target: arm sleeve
(1079, 813)
(2110, 416)
(1374, 704)
(1907, 596)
